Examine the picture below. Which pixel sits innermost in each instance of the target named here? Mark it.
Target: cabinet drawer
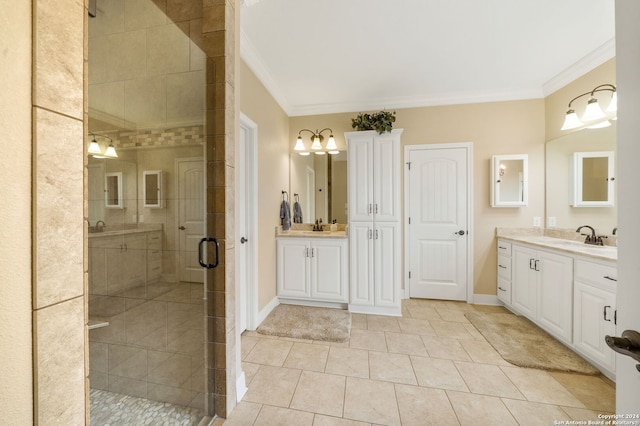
(504, 267)
(504, 248)
(154, 240)
(596, 273)
(504, 290)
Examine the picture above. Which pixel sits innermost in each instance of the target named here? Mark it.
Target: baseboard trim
(486, 299)
(267, 310)
(241, 387)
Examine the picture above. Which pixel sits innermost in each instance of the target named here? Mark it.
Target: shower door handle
(200, 257)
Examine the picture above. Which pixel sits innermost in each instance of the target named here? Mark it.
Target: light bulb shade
(613, 105)
(316, 142)
(571, 121)
(334, 152)
(304, 153)
(299, 145)
(94, 148)
(593, 111)
(111, 152)
(331, 144)
(320, 152)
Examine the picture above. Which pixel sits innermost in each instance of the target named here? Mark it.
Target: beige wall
(16, 386)
(273, 173)
(495, 128)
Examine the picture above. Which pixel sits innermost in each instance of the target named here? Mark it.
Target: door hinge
(409, 274)
(409, 164)
(409, 221)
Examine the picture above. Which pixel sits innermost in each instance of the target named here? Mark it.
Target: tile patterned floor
(430, 367)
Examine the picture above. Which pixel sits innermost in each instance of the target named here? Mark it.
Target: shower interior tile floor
(429, 367)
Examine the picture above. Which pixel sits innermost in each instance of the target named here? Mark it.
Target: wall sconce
(594, 117)
(316, 143)
(96, 152)
(503, 170)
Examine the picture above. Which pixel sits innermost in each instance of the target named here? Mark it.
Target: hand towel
(285, 215)
(297, 213)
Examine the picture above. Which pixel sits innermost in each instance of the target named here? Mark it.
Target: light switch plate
(536, 221)
(552, 221)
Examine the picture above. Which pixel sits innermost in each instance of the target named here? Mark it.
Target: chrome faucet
(592, 239)
(98, 227)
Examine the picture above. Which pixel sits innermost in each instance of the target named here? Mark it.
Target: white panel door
(293, 267)
(438, 212)
(386, 251)
(361, 263)
(329, 269)
(555, 294)
(523, 281)
(191, 218)
(386, 175)
(360, 152)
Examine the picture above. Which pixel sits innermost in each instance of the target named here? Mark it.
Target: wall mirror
(509, 175)
(558, 159)
(152, 189)
(592, 179)
(113, 190)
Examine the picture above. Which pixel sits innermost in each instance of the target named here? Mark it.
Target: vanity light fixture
(316, 143)
(594, 117)
(96, 152)
(503, 170)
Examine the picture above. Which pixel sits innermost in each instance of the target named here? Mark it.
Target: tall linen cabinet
(374, 221)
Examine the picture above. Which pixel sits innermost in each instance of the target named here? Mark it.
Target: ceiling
(327, 56)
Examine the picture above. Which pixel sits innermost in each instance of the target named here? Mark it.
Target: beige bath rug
(305, 322)
(522, 343)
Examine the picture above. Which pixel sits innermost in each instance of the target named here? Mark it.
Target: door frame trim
(250, 163)
(469, 157)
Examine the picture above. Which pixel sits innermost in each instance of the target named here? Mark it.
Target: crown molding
(250, 56)
(592, 60)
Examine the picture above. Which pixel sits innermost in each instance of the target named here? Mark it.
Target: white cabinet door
(292, 268)
(593, 319)
(386, 186)
(555, 294)
(523, 283)
(135, 260)
(387, 264)
(360, 170)
(361, 263)
(329, 269)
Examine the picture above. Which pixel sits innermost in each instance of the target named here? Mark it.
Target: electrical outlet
(552, 221)
(536, 221)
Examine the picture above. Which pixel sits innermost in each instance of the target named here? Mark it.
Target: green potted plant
(379, 121)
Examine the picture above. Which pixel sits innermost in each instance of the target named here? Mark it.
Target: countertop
(606, 252)
(305, 231)
(126, 231)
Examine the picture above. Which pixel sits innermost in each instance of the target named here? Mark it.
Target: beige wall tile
(127, 386)
(59, 56)
(129, 362)
(198, 58)
(107, 99)
(169, 369)
(140, 14)
(109, 19)
(59, 231)
(145, 101)
(98, 357)
(126, 55)
(59, 362)
(185, 97)
(168, 49)
(183, 10)
(98, 61)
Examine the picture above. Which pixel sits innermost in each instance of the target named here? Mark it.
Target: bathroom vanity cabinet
(566, 292)
(312, 269)
(375, 272)
(120, 261)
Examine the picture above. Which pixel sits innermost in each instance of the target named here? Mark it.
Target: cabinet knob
(182, 228)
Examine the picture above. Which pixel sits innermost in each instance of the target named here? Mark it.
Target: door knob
(182, 228)
(628, 344)
(243, 240)
(460, 232)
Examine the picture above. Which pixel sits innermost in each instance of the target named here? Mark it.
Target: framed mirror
(113, 190)
(152, 189)
(592, 179)
(509, 176)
